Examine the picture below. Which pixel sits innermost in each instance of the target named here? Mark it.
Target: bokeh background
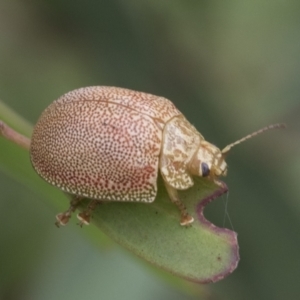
(230, 66)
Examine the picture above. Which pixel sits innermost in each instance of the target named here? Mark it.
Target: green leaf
(201, 253)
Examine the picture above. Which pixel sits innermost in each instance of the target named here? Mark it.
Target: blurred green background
(230, 66)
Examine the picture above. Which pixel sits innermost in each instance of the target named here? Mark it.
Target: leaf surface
(201, 252)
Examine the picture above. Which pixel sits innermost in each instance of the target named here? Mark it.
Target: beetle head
(208, 161)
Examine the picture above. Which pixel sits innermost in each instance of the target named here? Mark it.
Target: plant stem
(14, 136)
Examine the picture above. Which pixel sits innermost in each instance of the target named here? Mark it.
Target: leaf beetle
(109, 144)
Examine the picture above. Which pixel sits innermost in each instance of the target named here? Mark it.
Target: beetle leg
(186, 218)
(63, 218)
(85, 216)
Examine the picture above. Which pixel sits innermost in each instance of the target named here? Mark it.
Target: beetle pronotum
(109, 143)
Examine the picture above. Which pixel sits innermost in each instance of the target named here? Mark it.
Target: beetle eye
(205, 169)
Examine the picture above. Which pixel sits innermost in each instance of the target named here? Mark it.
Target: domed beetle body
(109, 143)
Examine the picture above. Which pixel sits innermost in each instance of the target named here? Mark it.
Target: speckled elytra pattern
(155, 107)
(102, 143)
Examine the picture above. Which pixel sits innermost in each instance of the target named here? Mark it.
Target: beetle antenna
(249, 136)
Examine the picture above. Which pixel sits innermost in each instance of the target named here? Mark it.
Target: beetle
(109, 144)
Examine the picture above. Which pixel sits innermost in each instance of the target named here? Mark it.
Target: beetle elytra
(109, 143)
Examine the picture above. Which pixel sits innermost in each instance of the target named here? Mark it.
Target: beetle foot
(84, 218)
(62, 218)
(186, 220)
